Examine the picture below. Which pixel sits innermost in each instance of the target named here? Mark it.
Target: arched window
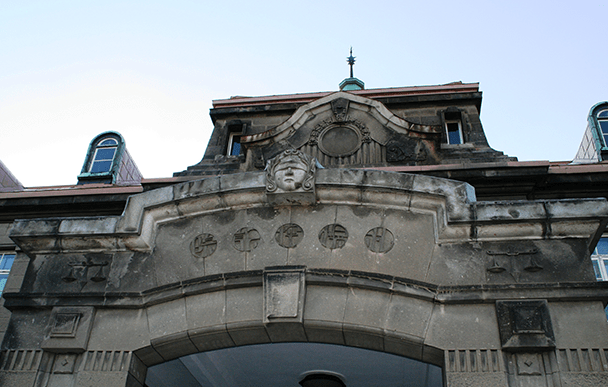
(602, 119)
(105, 150)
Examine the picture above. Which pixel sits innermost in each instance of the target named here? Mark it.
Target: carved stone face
(291, 171)
(290, 174)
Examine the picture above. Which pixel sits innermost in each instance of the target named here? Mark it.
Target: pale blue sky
(70, 70)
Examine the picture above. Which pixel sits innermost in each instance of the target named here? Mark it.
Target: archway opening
(287, 364)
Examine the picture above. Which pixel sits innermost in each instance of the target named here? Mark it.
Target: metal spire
(351, 62)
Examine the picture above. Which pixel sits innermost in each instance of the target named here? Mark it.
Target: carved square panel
(65, 325)
(525, 325)
(69, 329)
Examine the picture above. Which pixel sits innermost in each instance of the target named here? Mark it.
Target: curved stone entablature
(411, 226)
(355, 102)
(346, 129)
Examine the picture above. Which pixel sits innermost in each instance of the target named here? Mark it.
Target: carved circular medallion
(333, 236)
(339, 140)
(289, 235)
(203, 245)
(379, 240)
(246, 239)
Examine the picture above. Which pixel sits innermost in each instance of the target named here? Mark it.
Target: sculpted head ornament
(292, 170)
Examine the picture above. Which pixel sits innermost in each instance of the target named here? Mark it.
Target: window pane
(602, 246)
(236, 147)
(105, 154)
(596, 269)
(7, 261)
(603, 113)
(101, 166)
(604, 126)
(3, 278)
(605, 267)
(454, 133)
(109, 141)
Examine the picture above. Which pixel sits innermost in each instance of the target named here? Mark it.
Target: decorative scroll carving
(246, 239)
(339, 107)
(406, 149)
(379, 240)
(333, 236)
(289, 235)
(203, 245)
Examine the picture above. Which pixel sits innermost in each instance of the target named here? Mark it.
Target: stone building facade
(317, 233)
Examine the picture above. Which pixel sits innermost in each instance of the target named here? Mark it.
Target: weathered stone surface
(409, 316)
(206, 310)
(167, 318)
(575, 323)
(463, 326)
(326, 304)
(383, 261)
(26, 329)
(477, 380)
(119, 330)
(210, 338)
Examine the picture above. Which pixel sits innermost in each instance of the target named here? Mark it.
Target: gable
(343, 129)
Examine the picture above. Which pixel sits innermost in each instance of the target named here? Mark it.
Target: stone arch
(359, 310)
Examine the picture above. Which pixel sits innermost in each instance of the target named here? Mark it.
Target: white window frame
(98, 147)
(447, 132)
(6, 272)
(602, 118)
(600, 259)
(231, 141)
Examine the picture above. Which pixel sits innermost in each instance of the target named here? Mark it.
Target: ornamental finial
(351, 62)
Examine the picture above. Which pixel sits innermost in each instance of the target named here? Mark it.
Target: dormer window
(602, 119)
(109, 162)
(104, 155)
(453, 128)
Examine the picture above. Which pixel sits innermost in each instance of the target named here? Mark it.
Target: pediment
(350, 130)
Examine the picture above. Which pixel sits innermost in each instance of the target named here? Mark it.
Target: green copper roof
(352, 84)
